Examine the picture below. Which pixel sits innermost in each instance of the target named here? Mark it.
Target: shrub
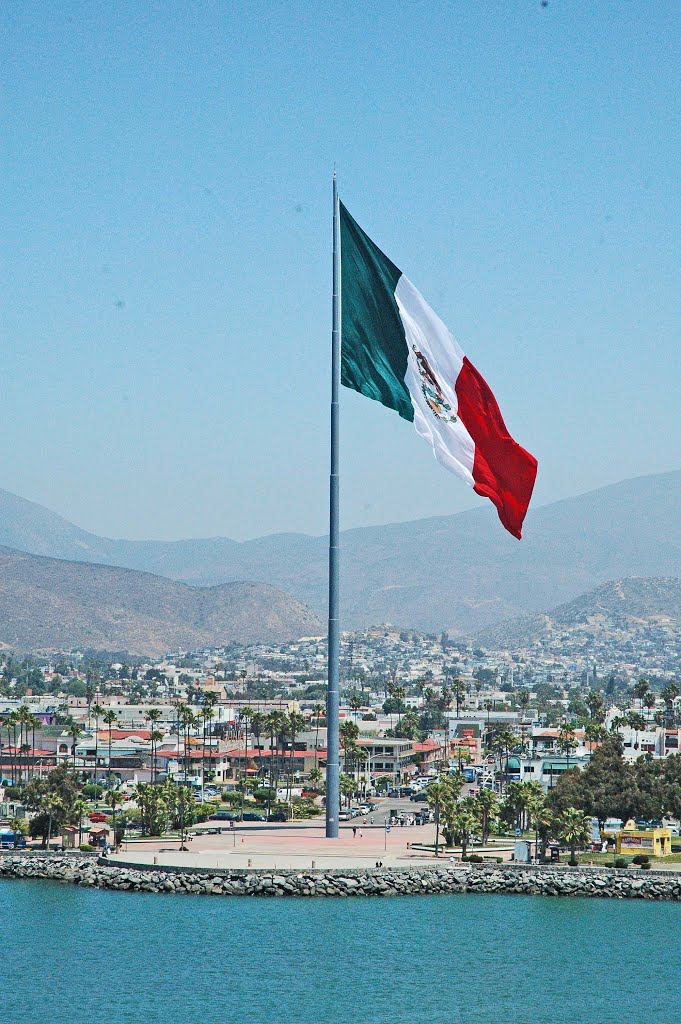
(647, 865)
(620, 862)
(262, 795)
(640, 858)
(86, 848)
(231, 798)
(474, 858)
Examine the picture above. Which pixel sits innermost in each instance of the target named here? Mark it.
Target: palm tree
(649, 702)
(114, 799)
(636, 722)
(487, 804)
(566, 741)
(188, 722)
(346, 787)
(594, 732)
(574, 829)
(35, 722)
(318, 710)
(399, 693)
(77, 812)
(502, 743)
(459, 692)
(11, 727)
(349, 733)
(669, 695)
(245, 716)
(155, 738)
(463, 821)
(210, 700)
(296, 723)
(110, 716)
(52, 805)
(273, 723)
(438, 793)
(97, 711)
(25, 720)
(541, 816)
(74, 732)
(257, 726)
(640, 690)
(153, 715)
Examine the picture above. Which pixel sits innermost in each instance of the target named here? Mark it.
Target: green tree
(109, 717)
(461, 821)
(596, 705)
(605, 788)
(153, 716)
(96, 711)
(640, 690)
(574, 829)
(439, 794)
(488, 807)
(346, 787)
(567, 741)
(54, 796)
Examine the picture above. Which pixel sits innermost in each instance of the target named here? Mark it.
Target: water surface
(84, 954)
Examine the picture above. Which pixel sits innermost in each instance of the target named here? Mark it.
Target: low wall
(539, 880)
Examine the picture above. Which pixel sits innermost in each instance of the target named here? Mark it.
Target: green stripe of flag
(374, 348)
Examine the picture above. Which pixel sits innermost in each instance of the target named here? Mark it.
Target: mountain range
(50, 604)
(461, 572)
(615, 609)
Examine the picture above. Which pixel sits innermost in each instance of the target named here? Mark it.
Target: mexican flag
(396, 350)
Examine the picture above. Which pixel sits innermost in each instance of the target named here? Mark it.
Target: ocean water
(82, 955)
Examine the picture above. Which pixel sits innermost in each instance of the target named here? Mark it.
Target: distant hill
(460, 572)
(47, 604)
(618, 607)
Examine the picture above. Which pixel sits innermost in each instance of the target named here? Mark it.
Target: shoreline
(531, 880)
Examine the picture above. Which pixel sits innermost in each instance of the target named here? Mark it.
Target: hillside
(621, 608)
(48, 604)
(460, 572)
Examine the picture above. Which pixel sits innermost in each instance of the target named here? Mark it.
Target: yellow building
(656, 842)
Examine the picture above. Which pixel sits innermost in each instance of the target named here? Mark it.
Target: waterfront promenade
(293, 846)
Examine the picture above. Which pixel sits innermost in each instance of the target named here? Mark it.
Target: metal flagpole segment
(332, 695)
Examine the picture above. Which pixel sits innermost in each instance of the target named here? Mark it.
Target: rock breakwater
(542, 880)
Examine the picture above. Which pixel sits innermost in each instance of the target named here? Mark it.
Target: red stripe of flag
(503, 471)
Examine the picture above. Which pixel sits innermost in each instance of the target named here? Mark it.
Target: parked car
(223, 816)
(276, 816)
(419, 798)
(252, 816)
(344, 816)
(97, 816)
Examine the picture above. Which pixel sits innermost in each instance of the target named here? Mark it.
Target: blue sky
(165, 245)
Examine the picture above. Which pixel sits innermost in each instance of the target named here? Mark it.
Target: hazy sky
(165, 236)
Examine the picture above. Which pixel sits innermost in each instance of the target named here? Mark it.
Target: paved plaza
(290, 846)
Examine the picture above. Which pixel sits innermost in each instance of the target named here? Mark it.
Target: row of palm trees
(281, 729)
(19, 725)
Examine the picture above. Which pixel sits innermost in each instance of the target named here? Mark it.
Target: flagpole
(332, 694)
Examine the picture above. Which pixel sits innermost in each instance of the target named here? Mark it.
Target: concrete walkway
(290, 846)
